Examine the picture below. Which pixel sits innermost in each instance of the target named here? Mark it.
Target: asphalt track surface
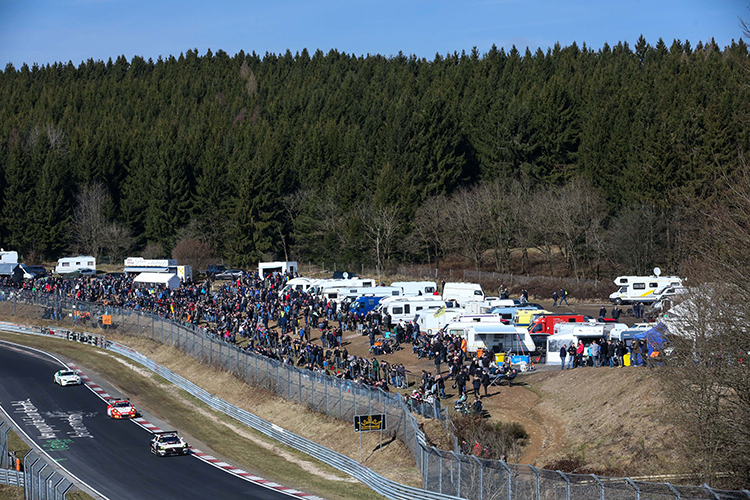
(110, 456)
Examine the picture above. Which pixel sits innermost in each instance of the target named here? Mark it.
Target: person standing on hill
(563, 355)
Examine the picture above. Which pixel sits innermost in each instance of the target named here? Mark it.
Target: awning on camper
(169, 279)
(137, 269)
(7, 269)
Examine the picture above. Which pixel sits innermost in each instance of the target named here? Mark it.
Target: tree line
(588, 155)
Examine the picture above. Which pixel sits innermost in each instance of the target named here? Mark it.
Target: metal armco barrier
(39, 479)
(446, 474)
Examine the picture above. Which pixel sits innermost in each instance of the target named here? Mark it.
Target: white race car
(121, 408)
(67, 377)
(168, 443)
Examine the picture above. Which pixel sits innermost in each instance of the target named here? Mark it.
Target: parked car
(37, 271)
(229, 274)
(214, 269)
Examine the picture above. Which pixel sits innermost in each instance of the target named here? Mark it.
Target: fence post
(567, 484)
(481, 476)
(508, 473)
(341, 401)
(677, 493)
(601, 486)
(300, 386)
(538, 482)
(326, 386)
(708, 488)
(635, 487)
(458, 482)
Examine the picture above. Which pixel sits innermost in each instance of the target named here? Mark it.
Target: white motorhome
(463, 292)
(642, 288)
(321, 285)
(406, 308)
(8, 257)
(416, 287)
(340, 294)
(493, 337)
(70, 264)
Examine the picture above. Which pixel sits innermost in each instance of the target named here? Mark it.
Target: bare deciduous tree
(381, 226)
(89, 219)
(429, 225)
(467, 218)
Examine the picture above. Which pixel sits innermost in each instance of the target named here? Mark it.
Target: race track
(110, 456)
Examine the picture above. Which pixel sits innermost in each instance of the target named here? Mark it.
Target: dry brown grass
(613, 420)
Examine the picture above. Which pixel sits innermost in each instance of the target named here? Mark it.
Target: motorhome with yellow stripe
(641, 288)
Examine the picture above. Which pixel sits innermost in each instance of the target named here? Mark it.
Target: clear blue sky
(35, 31)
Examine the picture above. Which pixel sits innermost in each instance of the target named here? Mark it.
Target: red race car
(121, 408)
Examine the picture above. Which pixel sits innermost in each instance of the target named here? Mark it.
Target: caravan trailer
(416, 287)
(71, 264)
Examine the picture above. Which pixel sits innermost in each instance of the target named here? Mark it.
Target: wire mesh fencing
(444, 472)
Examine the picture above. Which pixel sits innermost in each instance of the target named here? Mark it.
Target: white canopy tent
(169, 279)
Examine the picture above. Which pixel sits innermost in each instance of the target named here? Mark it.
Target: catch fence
(443, 472)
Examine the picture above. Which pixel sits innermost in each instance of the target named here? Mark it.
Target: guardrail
(39, 478)
(445, 473)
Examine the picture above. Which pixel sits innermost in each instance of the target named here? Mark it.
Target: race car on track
(121, 408)
(168, 443)
(67, 377)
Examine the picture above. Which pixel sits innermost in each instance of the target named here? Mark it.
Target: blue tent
(654, 337)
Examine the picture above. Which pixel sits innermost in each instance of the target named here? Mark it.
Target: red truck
(546, 323)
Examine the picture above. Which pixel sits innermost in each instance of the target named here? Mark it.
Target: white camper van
(463, 292)
(642, 288)
(70, 264)
(406, 308)
(416, 287)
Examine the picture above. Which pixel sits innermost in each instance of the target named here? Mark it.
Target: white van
(406, 308)
(641, 288)
(494, 337)
(432, 320)
(587, 332)
(416, 287)
(463, 292)
(70, 264)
